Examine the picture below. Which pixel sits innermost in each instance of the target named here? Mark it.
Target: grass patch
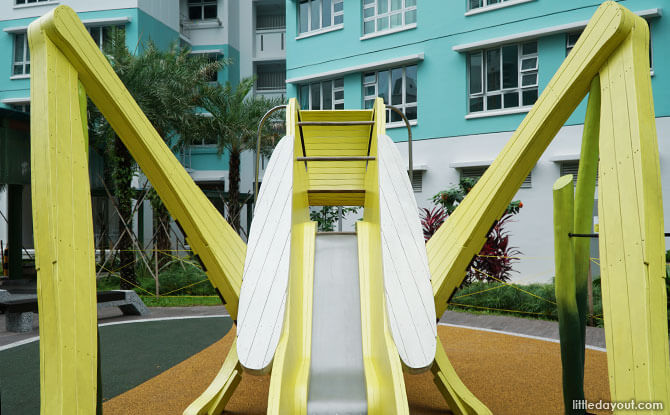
(180, 301)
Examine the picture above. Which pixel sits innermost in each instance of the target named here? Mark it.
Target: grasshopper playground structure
(277, 287)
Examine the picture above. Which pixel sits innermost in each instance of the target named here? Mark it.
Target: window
(397, 87)
(417, 181)
(572, 167)
(271, 76)
(20, 2)
(21, 62)
(202, 9)
(571, 40)
(383, 15)
(102, 35)
(314, 15)
(477, 4)
(478, 171)
(324, 95)
(503, 77)
(270, 17)
(214, 76)
(21, 107)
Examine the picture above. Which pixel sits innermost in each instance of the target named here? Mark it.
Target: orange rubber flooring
(509, 374)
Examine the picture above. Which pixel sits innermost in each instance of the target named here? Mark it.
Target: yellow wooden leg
(63, 236)
(632, 246)
(459, 398)
(216, 396)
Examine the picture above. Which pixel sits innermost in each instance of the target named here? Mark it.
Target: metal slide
(337, 374)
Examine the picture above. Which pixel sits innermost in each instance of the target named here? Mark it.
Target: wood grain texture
(220, 248)
(63, 233)
(409, 295)
(383, 369)
(266, 268)
(289, 384)
(453, 246)
(630, 210)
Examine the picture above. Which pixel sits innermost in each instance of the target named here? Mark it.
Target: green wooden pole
(568, 313)
(584, 196)
(15, 230)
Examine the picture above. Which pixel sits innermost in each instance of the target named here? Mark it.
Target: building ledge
(27, 76)
(534, 34)
(89, 22)
(388, 32)
(404, 60)
(16, 101)
(496, 7)
(494, 113)
(320, 31)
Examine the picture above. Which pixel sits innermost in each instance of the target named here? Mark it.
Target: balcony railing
(271, 80)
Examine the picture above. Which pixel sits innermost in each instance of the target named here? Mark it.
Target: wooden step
(336, 158)
(333, 123)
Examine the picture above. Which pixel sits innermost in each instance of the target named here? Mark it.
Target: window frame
(569, 46)
(321, 29)
(368, 99)
(484, 94)
(24, 62)
(28, 3)
(376, 16)
(100, 41)
(202, 4)
(333, 90)
(476, 172)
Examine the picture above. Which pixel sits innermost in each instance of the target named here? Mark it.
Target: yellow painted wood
(333, 141)
(65, 256)
(383, 370)
(209, 235)
(632, 246)
(452, 247)
(218, 393)
(459, 398)
(289, 384)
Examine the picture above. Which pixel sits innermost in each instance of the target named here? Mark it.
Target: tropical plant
(431, 220)
(233, 123)
(167, 85)
(496, 258)
(326, 216)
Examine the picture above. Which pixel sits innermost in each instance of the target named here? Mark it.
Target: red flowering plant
(496, 259)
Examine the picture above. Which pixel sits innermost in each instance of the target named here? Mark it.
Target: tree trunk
(162, 229)
(123, 178)
(234, 190)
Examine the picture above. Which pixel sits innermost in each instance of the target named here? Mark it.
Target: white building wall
(532, 231)
(206, 32)
(165, 11)
(8, 9)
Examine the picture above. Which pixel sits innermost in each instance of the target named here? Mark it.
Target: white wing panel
(409, 295)
(266, 267)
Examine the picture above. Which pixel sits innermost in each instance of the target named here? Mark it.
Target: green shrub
(535, 301)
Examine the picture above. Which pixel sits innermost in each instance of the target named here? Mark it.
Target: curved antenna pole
(258, 145)
(409, 140)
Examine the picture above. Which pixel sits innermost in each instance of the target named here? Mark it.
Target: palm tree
(234, 119)
(167, 85)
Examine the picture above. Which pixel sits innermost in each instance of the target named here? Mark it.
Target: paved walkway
(113, 314)
(595, 336)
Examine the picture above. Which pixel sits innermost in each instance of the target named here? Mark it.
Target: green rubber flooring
(132, 353)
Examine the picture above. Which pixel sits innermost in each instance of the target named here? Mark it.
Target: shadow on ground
(131, 354)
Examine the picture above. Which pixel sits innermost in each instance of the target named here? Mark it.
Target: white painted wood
(266, 267)
(409, 295)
